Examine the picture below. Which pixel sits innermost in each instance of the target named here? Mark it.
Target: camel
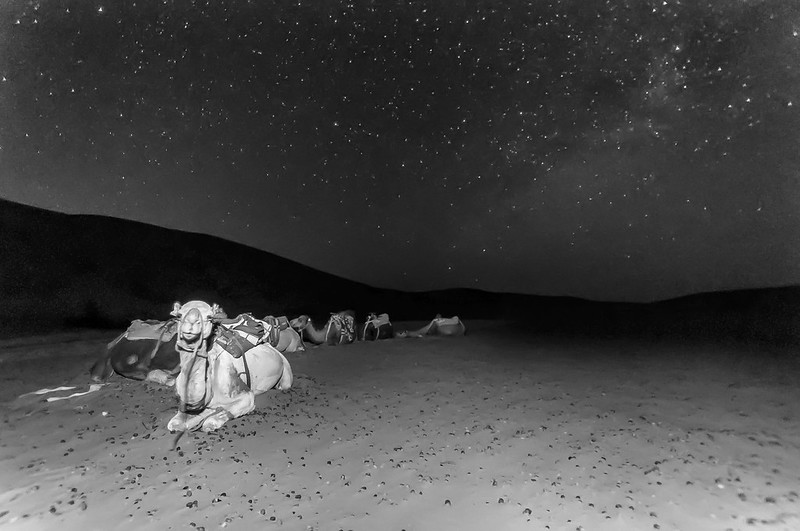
(377, 327)
(289, 339)
(145, 351)
(214, 386)
(439, 326)
(340, 328)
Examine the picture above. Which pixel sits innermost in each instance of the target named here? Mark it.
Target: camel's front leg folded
(217, 420)
(232, 398)
(233, 407)
(188, 421)
(160, 376)
(178, 422)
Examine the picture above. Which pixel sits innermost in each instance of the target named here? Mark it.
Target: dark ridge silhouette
(60, 271)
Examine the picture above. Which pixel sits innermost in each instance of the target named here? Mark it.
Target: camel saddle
(238, 335)
(150, 329)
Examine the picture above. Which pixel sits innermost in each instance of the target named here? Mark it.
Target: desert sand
(496, 430)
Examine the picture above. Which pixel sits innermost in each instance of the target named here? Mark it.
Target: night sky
(618, 150)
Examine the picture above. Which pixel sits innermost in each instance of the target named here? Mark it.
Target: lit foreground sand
(492, 431)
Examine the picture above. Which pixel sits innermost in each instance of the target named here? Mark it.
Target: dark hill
(59, 271)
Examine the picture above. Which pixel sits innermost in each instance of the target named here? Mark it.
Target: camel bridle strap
(204, 356)
(328, 329)
(339, 319)
(376, 323)
(246, 370)
(348, 324)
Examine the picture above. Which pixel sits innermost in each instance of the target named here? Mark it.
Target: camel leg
(298, 344)
(101, 370)
(236, 399)
(160, 376)
(286, 376)
(425, 330)
(183, 421)
(244, 405)
(178, 422)
(233, 400)
(188, 421)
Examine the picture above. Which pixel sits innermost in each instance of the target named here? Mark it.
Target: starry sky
(614, 150)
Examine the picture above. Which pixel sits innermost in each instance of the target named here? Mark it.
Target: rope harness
(346, 326)
(199, 351)
(377, 321)
(168, 325)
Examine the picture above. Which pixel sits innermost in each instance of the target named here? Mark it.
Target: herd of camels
(218, 365)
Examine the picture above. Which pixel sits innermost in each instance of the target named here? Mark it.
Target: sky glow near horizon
(620, 150)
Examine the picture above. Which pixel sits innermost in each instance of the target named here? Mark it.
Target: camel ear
(176, 309)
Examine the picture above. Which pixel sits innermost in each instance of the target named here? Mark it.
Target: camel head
(300, 323)
(195, 320)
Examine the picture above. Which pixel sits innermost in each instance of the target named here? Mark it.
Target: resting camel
(145, 351)
(213, 386)
(439, 326)
(340, 328)
(289, 339)
(377, 327)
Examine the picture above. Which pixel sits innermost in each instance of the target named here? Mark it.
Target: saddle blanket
(150, 329)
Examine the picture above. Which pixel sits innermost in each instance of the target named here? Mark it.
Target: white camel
(213, 386)
(289, 339)
(340, 328)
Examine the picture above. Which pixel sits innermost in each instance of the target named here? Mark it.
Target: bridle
(201, 353)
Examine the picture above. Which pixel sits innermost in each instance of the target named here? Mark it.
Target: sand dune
(495, 430)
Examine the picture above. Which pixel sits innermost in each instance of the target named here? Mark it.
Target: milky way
(621, 150)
